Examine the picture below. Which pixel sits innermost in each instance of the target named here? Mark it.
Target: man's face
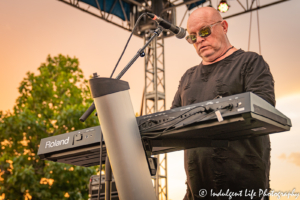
(212, 46)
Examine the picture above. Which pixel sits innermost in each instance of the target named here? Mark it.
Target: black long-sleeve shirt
(245, 164)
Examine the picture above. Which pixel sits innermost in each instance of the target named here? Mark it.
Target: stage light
(223, 6)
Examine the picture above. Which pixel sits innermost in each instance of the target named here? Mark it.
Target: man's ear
(225, 26)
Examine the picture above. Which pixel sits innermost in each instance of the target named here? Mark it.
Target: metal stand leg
(108, 179)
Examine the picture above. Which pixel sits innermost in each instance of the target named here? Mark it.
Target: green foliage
(49, 104)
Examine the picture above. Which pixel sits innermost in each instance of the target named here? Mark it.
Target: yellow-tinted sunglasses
(203, 32)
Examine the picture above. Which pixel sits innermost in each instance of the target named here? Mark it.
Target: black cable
(100, 168)
(249, 39)
(229, 107)
(185, 119)
(175, 117)
(137, 22)
(166, 130)
(258, 29)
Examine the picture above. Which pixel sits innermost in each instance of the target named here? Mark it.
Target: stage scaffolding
(155, 101)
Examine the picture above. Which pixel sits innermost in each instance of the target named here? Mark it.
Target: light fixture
(223, 6)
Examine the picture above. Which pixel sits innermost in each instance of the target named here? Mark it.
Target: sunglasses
(203, 32)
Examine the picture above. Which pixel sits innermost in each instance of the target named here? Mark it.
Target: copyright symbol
(202, 192)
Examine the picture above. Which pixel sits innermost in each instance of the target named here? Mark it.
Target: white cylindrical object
(123, 141)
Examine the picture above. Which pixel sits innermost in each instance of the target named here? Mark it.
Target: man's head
(213, 46)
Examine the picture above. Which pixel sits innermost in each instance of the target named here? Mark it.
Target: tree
(49, 104)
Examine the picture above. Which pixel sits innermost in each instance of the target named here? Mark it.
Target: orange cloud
(294, 158)
(282, 156)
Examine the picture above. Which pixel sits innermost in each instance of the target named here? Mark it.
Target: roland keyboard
(207, 124)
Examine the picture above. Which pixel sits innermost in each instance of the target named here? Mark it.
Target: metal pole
(108, 178)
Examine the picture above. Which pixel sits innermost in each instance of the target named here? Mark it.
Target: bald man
(224, 70)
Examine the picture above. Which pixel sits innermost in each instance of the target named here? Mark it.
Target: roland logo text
(56, 143)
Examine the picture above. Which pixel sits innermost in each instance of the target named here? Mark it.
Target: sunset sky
(30, 30)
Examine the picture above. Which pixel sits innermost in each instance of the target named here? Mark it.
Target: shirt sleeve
(177, 98)
(259, 80)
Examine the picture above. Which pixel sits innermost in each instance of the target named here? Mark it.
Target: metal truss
(161, 180)
(155, 101)
(155, 77)
(248, 6)
(97, 12)
(138, 8)
(245, 6)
